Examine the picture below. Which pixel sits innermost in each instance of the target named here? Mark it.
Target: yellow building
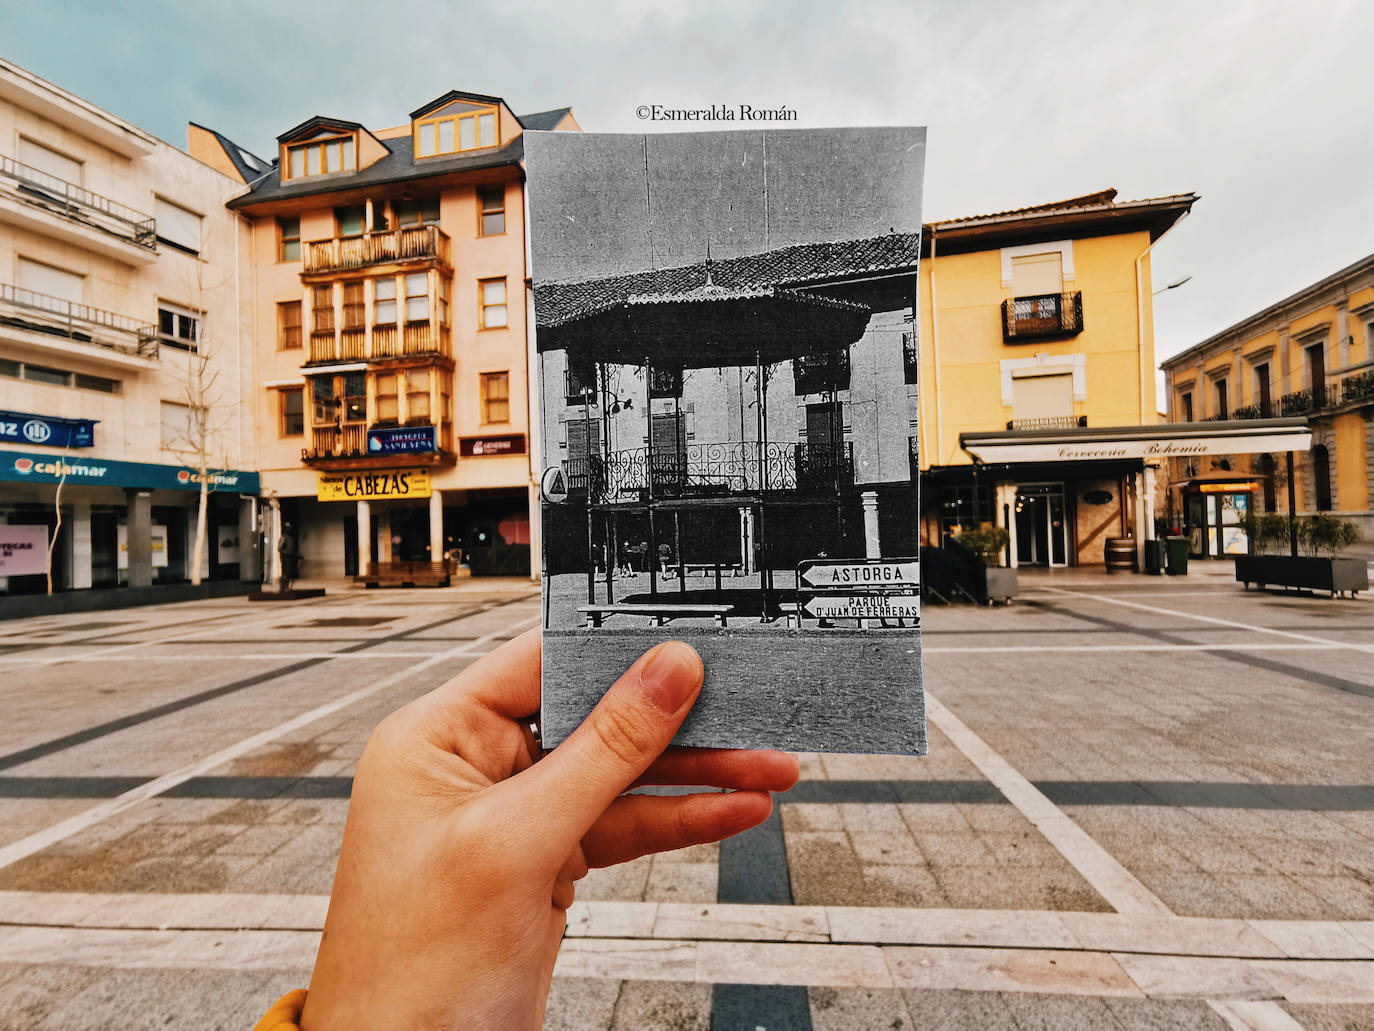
(392, 334)
(1037, 387)
(1311, 355)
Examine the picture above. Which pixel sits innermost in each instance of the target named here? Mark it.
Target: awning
(1166, 440)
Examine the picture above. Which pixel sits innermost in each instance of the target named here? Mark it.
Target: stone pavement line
(1233, 646)
(18, 850)
(1254, 1015)
(1098, 867)
(238, 656)
(1236, 624)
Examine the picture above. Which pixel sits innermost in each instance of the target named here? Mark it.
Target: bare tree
(57, 508)
(200, 444)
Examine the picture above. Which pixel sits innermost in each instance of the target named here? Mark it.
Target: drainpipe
(935, 354)
(1140, 296)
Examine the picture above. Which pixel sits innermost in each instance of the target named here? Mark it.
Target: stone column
(1138, 507)
(1005, 495)
(537, 533)
(250, 553)
(383, 534)
(872, 549)
(1343, 334)
(138, 528)
(436, 526)
(273, 528)
(81, 545)
(1149, 493)
(364, 537)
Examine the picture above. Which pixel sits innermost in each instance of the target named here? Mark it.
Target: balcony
(1042, 316)
(411, 245)
(1309, 401)
(821, 373)
(79, 215)
(79, 323)
(378, 343)
(336, 441)
(1357, 389)
(334, 445)
(704, 470)
(1262, 410)
(1049, 422)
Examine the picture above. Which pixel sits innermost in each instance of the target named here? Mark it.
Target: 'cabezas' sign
(389, 483)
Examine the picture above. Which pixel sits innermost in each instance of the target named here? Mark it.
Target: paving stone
(580, 1004)
(662, 1004)
(842, 1009)
(810, 816)
(682, 882)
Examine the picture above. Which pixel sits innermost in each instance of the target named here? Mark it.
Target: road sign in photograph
(838, 574)
(864, 606)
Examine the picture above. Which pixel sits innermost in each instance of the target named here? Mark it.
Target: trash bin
(1156, 554)
(1178, 547)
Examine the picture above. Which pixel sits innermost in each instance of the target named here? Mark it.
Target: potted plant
(987, 544)
(1318, 568)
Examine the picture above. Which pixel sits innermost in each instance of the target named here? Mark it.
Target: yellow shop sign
(379, 484)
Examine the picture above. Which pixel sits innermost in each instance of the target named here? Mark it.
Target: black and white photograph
(726, 357)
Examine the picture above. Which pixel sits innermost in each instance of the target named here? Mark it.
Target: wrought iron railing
(1261, 410)
(413, 243)
(80, 205)
(732, 467)
(44, 313)
(1313, 399)
(1044, 315)
(1048, 422)
(1357, 388)
(821, 373)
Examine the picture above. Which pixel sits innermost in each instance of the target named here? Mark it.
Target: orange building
(392, 332)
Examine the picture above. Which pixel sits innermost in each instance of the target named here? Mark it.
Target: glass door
(1041, 533)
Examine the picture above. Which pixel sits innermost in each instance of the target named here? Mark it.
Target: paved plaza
(1148, 803)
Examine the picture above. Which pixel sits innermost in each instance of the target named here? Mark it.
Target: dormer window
(455, 128)
(326, 153)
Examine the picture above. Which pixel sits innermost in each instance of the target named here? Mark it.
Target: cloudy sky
(1262, 107)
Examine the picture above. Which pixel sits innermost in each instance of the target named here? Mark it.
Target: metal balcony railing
(1045, 315)
(80, 205)
(1049, 422)
(1306, 402)
(821, 373)
(1355, 389)
(730, 467)
(410, 339)
(395, 246)
(1260, 410)
(43, 313)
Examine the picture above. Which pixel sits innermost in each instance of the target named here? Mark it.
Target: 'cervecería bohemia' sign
(379, 484)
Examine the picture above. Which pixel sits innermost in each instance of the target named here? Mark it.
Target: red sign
(480, 447)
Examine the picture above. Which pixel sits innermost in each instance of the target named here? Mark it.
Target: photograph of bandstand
(724, 439)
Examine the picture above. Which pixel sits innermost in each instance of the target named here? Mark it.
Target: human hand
(461, 850)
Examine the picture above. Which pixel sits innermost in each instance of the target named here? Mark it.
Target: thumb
(629, 728)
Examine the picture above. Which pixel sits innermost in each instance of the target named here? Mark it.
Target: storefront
(116, 524)
(1062, 494)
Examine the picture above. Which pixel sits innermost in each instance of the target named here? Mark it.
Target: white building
(123, 310)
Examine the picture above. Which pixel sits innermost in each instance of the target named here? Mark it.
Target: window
(176, 425)
(1034, 275)
(98, 383)
(288, 325)
(1036, 398)
(417, 395)
(1262, 395)
(291, 408)
(57, 377)
(329, 154)
(43, 374)
(384, 301)
(1321, 478)
(1186, 404)
(350, 220)
(340, 397)
(417, 212)
(458, 127)
(580, 381)
(288, 239)
(1223, 409)
(1316, 367)
(496, 397)
(49, 281)
(177, 227)
(46, 160)
(322, 309)
(387, 410)
(491, 201)
(353, 306)
(417, 297)
(177, 327)
(445, 289)
(493, 301)
(353, 387)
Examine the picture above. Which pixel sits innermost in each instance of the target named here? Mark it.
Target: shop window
(350, 220)
(318, 156)
(177, 327)
(384, 301)
(288, 239)
(1321, 478)
(288, 325)
(417, 395)
(387, 407)
(496, 397)
(417, 297)
(291, 411)
(493, 303)
(418, 212)
(492, 201)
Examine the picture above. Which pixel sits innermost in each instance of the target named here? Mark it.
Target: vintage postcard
(726, 356)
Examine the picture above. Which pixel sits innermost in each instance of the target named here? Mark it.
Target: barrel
(1120, 554)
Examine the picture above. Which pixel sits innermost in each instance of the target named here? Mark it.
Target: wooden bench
(658, 614)
(703, 569)
(406, 574)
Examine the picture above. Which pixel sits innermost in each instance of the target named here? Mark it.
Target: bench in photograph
(406, 574)
(659, 614)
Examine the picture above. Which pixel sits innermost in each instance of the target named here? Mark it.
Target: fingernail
(670, 676)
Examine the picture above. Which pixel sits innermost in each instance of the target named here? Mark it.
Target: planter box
(1306, 572)
(998, 584)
